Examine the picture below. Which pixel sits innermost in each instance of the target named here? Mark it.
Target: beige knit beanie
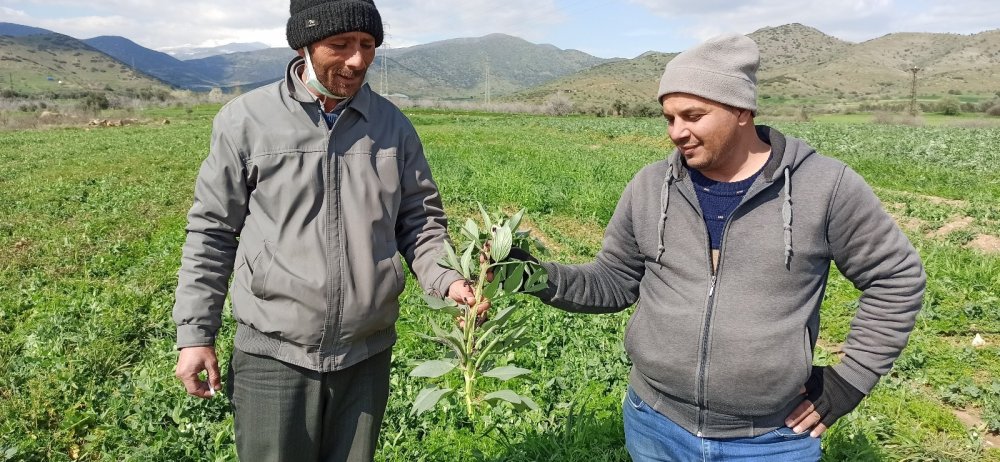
(722, 69)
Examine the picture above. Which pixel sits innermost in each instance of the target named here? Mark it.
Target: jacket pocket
(259, 269)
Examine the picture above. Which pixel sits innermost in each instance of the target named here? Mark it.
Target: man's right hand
(191, 362)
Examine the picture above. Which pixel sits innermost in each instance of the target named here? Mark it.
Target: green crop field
(91, 226)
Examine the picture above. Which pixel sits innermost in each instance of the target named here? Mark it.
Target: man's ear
(744, 117)
(301, 52)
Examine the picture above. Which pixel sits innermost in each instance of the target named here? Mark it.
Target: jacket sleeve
(873, 253)
(611, 282)
(214, 222)
(421, 225)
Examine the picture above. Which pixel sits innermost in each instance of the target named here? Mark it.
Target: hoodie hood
(786, 155)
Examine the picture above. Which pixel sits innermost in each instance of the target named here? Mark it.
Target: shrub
(994, 110)
(95, 102)
(949, 106)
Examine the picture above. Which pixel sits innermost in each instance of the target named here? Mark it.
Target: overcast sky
(604, 28)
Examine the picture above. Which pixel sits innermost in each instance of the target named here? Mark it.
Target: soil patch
(952, 226)
(972, 419)
(986, 244)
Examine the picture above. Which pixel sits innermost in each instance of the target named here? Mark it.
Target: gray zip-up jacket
(312, 221)
(726, 354)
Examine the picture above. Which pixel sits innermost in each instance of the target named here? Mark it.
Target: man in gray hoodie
(725, 249)
(313, 189)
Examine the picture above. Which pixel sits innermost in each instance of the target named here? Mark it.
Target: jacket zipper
(332, 178)
(710, 307)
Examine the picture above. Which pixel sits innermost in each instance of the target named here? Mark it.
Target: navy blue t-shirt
(718, 200)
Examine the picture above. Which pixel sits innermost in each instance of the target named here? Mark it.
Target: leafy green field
(91, 225)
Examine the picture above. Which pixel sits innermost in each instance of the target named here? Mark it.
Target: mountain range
(797, 62)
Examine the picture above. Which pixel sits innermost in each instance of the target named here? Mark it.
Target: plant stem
(471, 365)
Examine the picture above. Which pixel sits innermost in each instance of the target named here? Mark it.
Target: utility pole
(913, 91)
(487, 83)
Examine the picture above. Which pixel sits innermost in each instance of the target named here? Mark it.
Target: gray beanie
(315, 20)
(723, 69)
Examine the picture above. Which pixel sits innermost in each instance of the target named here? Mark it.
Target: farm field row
(91, 225)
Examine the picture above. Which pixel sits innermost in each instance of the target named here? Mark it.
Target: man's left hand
(828, 398)
(461, 292)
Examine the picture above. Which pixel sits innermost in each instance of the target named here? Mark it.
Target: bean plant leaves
(471, 230)
(515, 220)
(467, 261)
(453, 340)
(519, 402)
(444, 304)
(492, 290)
(451, 258)
(506, 372)
(538, 280)
(503, 239)
(432, 369)
(486, 217)
(513, 281)
(428, 398)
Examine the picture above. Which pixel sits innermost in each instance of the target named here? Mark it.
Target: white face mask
(313, 82)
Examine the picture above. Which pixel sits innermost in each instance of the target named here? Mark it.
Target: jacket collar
(297, 90)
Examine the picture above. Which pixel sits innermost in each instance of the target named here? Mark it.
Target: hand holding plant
(486, 264)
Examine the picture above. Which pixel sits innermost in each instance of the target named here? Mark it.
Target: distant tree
(949, 105)
(558, 104)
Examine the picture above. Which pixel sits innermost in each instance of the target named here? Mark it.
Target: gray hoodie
(726, 354)
(313, 222)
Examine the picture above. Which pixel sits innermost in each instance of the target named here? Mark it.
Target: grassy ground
(91, 224)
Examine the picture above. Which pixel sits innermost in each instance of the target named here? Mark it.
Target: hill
(17, 30)
(803, 64)
(58, 63)
(243, 69)
(461, 68)
(154, 63)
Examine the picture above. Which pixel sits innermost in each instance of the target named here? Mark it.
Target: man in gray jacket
(725, 248)
(313, 188)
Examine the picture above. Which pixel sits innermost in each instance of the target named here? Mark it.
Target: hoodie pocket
(259, 268)
(807, 351)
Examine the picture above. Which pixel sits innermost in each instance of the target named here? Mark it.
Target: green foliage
(91, 224)
(484, 263)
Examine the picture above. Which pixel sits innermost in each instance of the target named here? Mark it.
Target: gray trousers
(288, 413)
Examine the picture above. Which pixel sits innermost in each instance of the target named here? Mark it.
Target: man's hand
(462, 293)
(191, 362)
(828, 398)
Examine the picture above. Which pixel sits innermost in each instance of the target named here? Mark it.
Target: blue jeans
(650, 436)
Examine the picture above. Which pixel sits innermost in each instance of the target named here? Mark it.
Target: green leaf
(467, 260)
(446, 305)
(428, 398)
(495, 323)
(503, 239)
(432, 369)
(471, 230)
(529, 403)
(506, 372)
(519, 402)
(451, 258)
(486, 216)
(492, 290)
(453, 340)
(538, 279)
(500, 318)
(515, 220)
(513, 281)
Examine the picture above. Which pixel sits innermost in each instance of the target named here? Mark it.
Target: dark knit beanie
(722, 69)
(315, 20)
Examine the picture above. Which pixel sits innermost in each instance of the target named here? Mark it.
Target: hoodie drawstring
(664, 203)
(786, 216)
(786, 213)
